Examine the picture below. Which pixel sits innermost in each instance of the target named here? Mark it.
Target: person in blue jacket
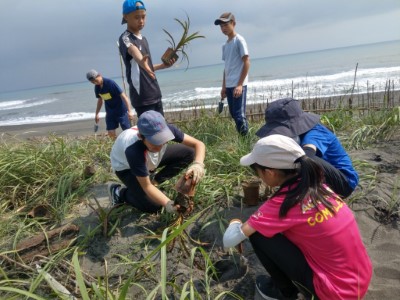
(285, 117)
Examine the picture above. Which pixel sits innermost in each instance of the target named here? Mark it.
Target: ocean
(322, 73)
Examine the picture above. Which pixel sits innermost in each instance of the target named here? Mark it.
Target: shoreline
(254, 112)
(72, 128)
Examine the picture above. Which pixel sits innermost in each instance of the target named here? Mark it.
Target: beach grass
(58, 172)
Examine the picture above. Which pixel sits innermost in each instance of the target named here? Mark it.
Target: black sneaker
(112, 189)
(267, 289)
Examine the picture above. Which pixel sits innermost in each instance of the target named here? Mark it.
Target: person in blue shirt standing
(118, 109)
(237, 64)
(285, 117)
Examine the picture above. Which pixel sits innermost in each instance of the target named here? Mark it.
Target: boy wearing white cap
(142, 151)
(305, 236)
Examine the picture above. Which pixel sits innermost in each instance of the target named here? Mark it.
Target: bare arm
(128, 105)
(245, 70)
(141, 60)
(223, 89)
(247, 229)
(196, 170)
(152, 191)
(98, 108)
(197, 145)
(163, 66)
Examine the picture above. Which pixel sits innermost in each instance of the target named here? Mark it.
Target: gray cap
(225, 18)
(92, 74)
(154, 128)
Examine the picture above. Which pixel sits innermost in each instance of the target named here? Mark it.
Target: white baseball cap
(274, 151)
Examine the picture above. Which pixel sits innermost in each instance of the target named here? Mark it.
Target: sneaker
(267, 290)
(113, 193)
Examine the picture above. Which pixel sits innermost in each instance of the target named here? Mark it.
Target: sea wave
(18, 104)
(76, 116)
(337, 84)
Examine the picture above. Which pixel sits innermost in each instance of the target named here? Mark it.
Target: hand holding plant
(170, 54)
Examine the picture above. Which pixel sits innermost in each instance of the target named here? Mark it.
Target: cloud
(47, 37)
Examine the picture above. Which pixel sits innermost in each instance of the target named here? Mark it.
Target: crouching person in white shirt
(142, 158)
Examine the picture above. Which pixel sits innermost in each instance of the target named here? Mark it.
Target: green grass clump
(48, 172)
(51, 172)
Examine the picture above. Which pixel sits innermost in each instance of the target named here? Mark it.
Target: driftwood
(46, 243)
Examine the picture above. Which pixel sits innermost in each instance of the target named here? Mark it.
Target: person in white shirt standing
(235, 54)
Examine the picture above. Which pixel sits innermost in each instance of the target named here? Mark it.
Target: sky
(50, 42)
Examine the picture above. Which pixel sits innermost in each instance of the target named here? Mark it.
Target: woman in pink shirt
(305, 236)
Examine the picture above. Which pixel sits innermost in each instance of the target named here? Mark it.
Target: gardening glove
(196, 170)
(170, 207)
(233, 234)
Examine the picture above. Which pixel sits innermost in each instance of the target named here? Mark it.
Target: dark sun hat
(285, 117)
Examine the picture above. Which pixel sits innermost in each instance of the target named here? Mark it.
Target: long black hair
(310, 177)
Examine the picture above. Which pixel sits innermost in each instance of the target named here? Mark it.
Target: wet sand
(73, 128)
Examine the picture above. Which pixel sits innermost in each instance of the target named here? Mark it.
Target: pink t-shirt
(331, 244)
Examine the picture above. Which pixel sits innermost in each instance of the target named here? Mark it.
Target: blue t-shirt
(331, 150)
(136, 153)
(110, 92)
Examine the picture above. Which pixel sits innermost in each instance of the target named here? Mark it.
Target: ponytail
(310, 186)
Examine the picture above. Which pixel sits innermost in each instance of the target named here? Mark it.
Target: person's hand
(132, 118)
(96, 118)
(145, 61)
(237, 92)
(196, 170)
(170, 63)
(223, 94)
(171, 208)
(239, 247)
(233, 234)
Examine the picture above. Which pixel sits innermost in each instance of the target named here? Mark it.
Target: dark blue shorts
(113, 122)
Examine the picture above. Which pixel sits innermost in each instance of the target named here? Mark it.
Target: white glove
(233, 234)
(170, 207)
(196, 169)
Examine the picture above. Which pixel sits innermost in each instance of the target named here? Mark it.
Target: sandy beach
(382, 239)
(74, 128)
(254, 112)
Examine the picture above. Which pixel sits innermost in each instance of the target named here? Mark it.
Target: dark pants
(176, 158)
(285, 263)
(113, 121)
(237, 109)
(156, 106)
